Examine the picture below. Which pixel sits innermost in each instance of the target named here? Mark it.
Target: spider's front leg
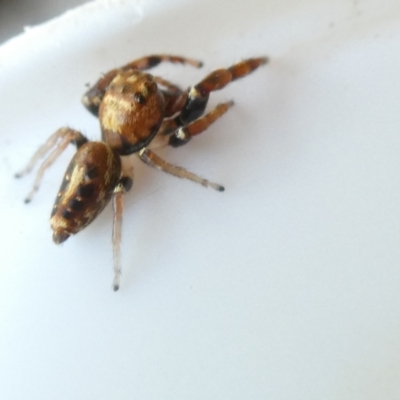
(183, 134)
(197, 98)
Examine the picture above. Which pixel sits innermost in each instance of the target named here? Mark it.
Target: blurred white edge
(13, 49)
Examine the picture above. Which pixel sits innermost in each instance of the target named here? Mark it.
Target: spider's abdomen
(86, 189)
(131, 111)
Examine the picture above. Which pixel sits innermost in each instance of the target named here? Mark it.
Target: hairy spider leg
(151, 61)
(191, 121)
(198, 96)
(59, 140)
(50, 142)
(93, 97)
(183, 134)
(153, 160)
(123, 187)
(175, 89)
(175, 99)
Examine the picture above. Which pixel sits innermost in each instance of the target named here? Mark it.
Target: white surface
(286, 286)
(17, 14)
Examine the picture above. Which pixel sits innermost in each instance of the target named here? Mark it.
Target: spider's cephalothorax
(131, 111)
(136, 110)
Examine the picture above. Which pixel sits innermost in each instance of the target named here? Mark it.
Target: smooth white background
(286, 286)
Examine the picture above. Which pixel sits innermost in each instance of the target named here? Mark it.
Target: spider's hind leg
(124, 186)
(59, 140)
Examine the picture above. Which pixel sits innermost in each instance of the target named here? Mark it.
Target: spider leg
(151, 61)
(198, 95)
(167, 84)
(59, 140)
(183, 134)
(124, 185)
(175, 99)
(78, 139)
(92, 98)
(153, 160)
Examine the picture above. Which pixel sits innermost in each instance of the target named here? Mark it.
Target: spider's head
(131, 111)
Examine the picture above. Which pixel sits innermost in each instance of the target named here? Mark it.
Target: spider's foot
(29, 198)
(214, 186)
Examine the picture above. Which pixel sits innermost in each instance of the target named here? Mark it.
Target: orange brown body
(131, 111)
(86, 189)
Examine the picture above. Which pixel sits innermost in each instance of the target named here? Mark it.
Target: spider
(136, 111)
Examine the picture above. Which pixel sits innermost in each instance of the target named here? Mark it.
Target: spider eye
(139, 98)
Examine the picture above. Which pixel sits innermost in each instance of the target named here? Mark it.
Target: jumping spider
(136, 110)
